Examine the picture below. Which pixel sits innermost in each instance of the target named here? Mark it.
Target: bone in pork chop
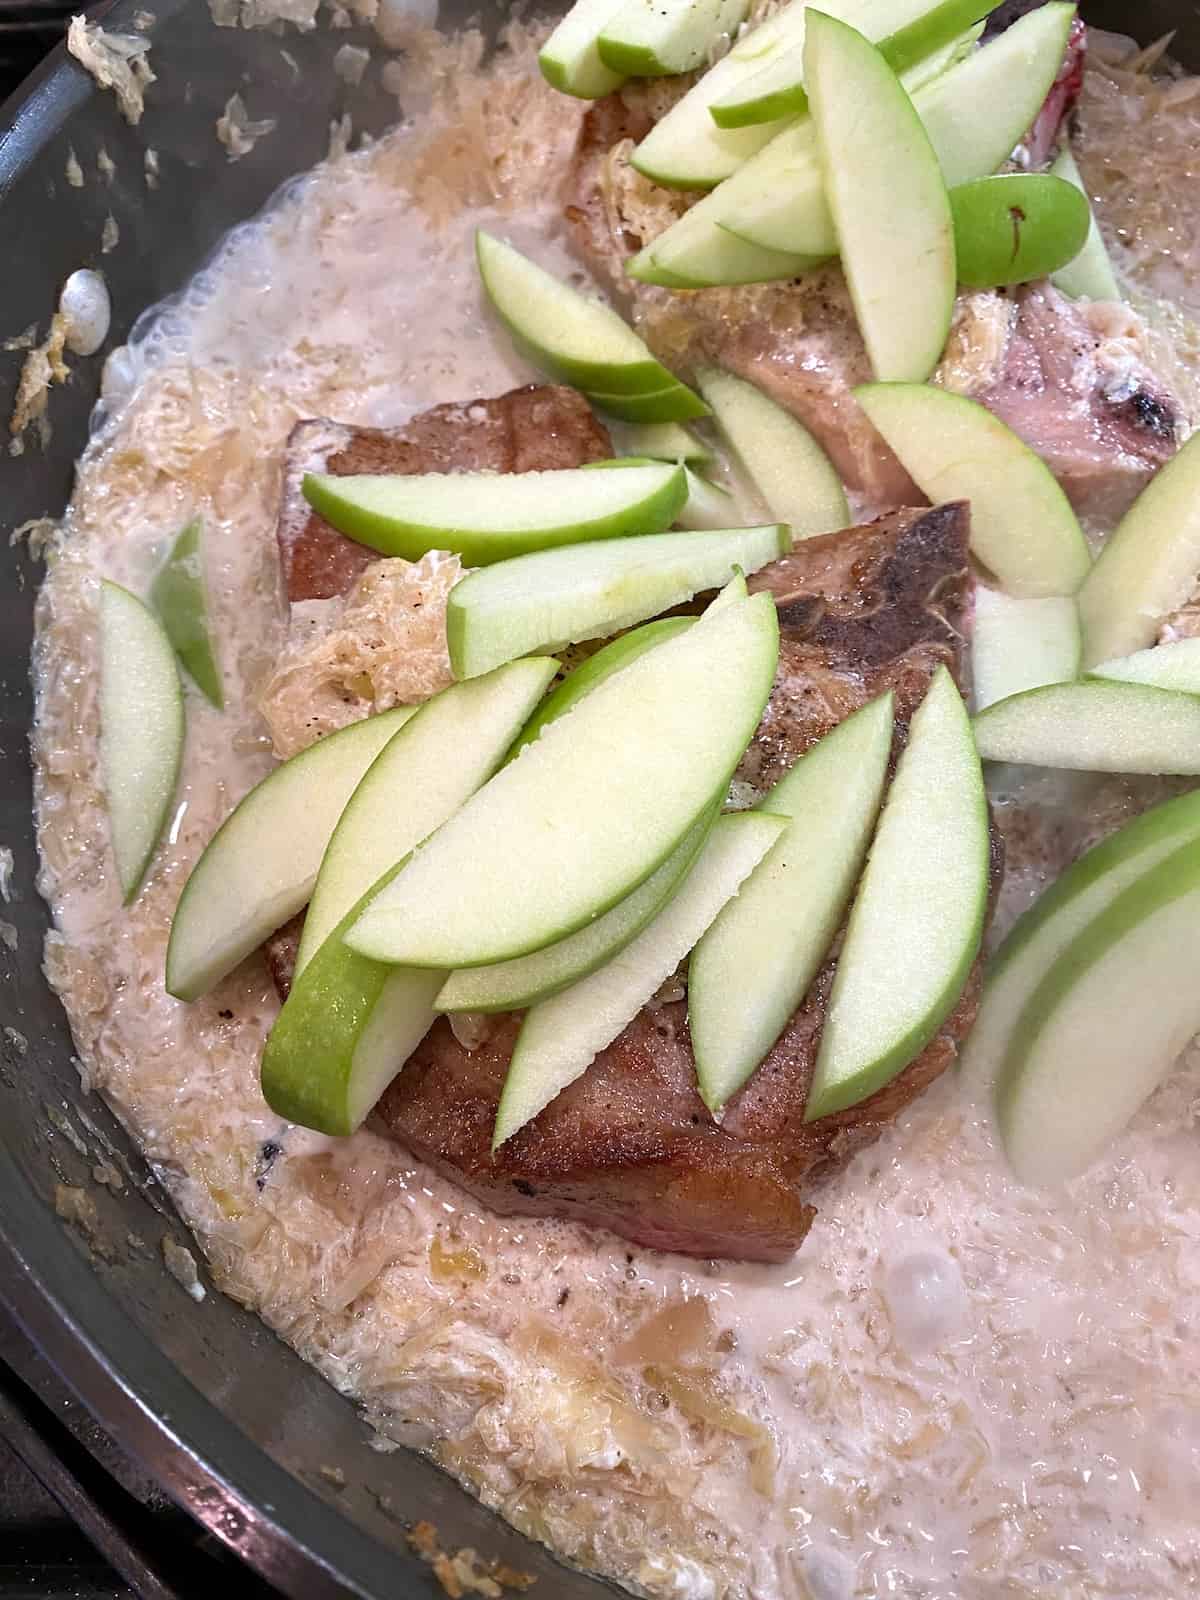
(630, 1146)
(1070, 378)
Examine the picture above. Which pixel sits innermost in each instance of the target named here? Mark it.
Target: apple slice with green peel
(786, 464)
(1021, 644)
(1090, 275)
(349, 1024)
(666, 441)
(707, 505)
(1023, 529)
(570, 60)
(512, 985)
(655, 38)
(925, 47)
(1174, 665)
(1105, 1026)
(590, 592)
(674, 404)
(754, 965)
(1148, 567)
(561, 1037)
(975, 113)
(141, 729)
(260, 866)
(1016, 227)
(589, 810)
(413, 785)
(489, 516)
(180, 596)
(917, 919)
(1038, 940)
(1094, 726)
(574, 338)
(695, 253)
(888, 200)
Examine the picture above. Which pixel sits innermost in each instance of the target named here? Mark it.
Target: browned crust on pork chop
(535, 429)
(630, 1146)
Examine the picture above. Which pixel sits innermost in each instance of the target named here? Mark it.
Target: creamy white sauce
(964, 1388)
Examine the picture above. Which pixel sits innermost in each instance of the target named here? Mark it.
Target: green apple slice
(561, 1037)
(975, 114)
(888, 200)
(1016, 227)
(413, 785)
(931, 41)
(180, 596)
(754, 965)
(590, 592)
(349, 1023)
(490, 516)
(918, 917)
(786, 464)
(260, 866)
(141, 729)
(666, 441)
(589, 810)
(654, 38)
(1021, 644)
(1175, 665)
(707, 506)
(569, 59)
(574, 338)
(1148, 567)
(695, 253)
(1038, 940)
(1090, 275)
(512, 985)
(676, 403)
(1023, 529)
(1105, 1026)
(1094, 726)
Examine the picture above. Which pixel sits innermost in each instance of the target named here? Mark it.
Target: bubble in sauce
(825, 1574)
(85, 304)
(926, 1299)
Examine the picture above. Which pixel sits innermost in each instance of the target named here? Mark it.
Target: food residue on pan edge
(1020, 1367)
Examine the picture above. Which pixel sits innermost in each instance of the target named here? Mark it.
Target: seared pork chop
(535, 429)
(1071, 379)
(630, 1146)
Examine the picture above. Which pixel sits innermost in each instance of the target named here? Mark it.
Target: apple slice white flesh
(917, 919)
(754, 965)
(260, 866)
(141, 729)
(786, 464)
(665, 441)
(488, 516)
(708, 505)
(1094, 726)
(695, 253)
(975, 114)
(1037, 941)
(512, 985)
(589, 592)
(647, 39)
(1023, 529)
(1090, 276)
(926, 46)
(413, 785)
(589, 810)
(574, 338)
(561, 1036)
(1105, 1026)
(1174, 665)
(180, 596)
(1021, 644)
(888, 199)
(349, 1024)
(569, 59)
(1148, 567)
